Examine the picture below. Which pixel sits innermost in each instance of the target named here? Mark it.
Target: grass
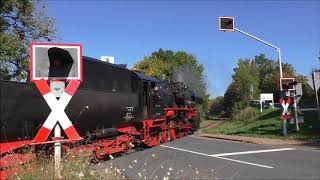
(268, 124)
(76, 166)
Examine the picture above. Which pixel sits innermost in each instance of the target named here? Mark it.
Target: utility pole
(227, 24)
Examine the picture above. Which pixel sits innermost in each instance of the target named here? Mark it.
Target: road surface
(196, 157)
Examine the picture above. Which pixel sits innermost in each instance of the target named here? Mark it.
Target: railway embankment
(265, 128)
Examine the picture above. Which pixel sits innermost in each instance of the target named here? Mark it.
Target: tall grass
(245, 114)
(74, 165)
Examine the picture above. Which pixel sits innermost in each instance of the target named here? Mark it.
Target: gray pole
(295, 108)
(315, 88)
(284, 123)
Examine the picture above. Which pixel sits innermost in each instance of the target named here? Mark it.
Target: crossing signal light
(60, 62)
(55, 62)
(226, 23)
(287, 84)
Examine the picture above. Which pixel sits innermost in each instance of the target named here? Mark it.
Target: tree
(216, 107)
(252, 77)
(244, 86)
(176, 66)
(22, 22)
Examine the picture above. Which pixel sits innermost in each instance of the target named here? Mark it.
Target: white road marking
(244, 162)
(185, 150)
(252, 152)
(235, 153)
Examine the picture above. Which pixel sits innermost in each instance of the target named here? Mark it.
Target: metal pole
(284, 123)
(315, 89)
(57, 153)
(295, 108)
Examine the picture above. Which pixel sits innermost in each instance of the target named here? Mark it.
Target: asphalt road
(202, 158)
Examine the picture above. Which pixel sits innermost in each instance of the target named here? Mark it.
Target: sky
(130, 30)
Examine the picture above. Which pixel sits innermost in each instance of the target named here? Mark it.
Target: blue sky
(130, 30)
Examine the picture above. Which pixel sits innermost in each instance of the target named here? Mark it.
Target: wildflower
(189, 165)
(130, 166)
(107, 170)
(165, 178)
(91, 173)
(161, 167)
(153, 155)
(118, 171)
(139, 175)
(81, 175)
(197, 172)
(123, 169)
(110, 156)
(168, 173)
(170, 169)
(134, 161)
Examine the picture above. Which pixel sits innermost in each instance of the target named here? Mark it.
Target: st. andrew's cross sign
(52, 63)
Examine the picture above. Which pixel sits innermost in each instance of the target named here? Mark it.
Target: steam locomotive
(114, 109)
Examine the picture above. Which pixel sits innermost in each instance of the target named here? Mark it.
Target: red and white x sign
(285, 114)
(57, 114)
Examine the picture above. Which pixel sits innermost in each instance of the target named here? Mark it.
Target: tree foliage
(252, 77)
(175, 66)
(21, 22)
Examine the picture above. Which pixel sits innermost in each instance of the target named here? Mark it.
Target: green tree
(176, 66)
(244, 86)
(216, 107)
(252, 77)
(21, 22)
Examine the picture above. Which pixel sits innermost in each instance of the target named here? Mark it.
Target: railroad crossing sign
(314, 80)
(57, 114)
(285, 114)
(56, 63)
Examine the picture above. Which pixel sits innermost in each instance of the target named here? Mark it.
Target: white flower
(170, 169)
(153, 155)
(165, 178)
(161, 167)
(139, 175)
(189, 165)
(168, 173)
(181, 170)
(110, 156)
(81, 174)
(91, 173)
(130, 166)
(107, 170)
(123, 169)
(144, 170)
(134, 161)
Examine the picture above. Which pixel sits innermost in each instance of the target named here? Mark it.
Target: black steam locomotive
(114, 107)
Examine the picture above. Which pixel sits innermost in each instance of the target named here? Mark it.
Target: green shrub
(245, 114)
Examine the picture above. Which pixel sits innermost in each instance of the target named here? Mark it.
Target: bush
(245, 114)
